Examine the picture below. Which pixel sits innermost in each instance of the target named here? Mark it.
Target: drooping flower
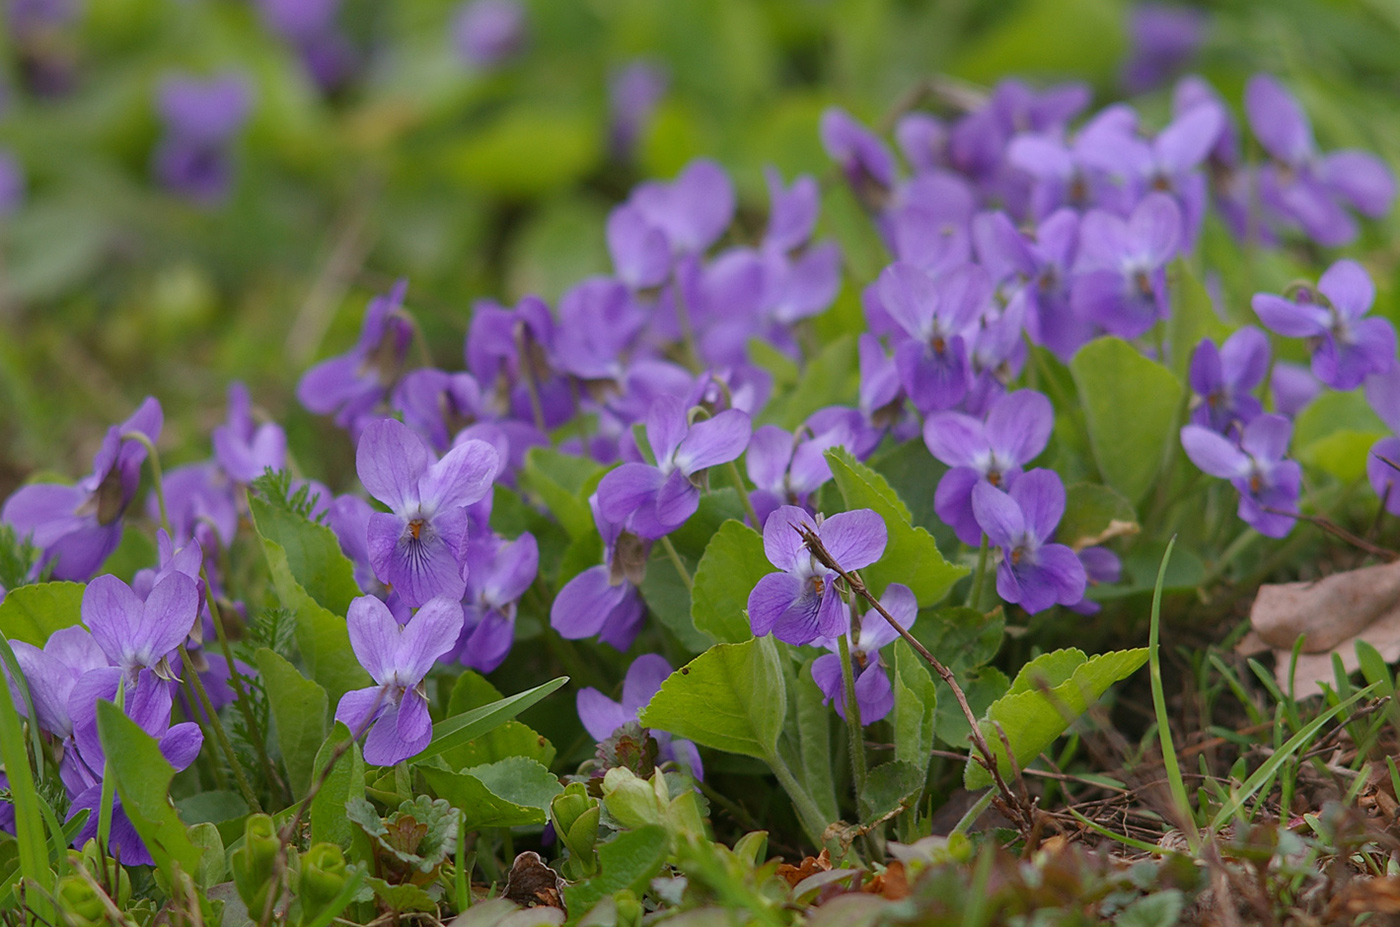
(395, 710)
(874, 694)
(659, 499)
(802, 602)
(634, 91)
(489, 33)
(201, 117)
(78, 526)
(601, 716)
(1268, 484)
(1034, 572)
(864, 158)
(243, 450)
(604, 600)
(1224, 377)
(351, 385)
(1164, 39)
(993, 451)
(1346, 346)
(419, 547)
(1101, 566)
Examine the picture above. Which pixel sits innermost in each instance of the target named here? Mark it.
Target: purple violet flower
(419, 547)
(78, 526)
(659, 499)
(1101, 566)
(395, 709)
(693, 210)
(874, 694)
(11, 184)
(604, 600)
(1268, 484)
(242, 450)
(1307, 188)
(1346, 348)
(786, 469)
(935, 319)
(1016, 429)
(1223, 379)
(801, 603)
(488, 33)
(864, 158)
(1122, 282)
(634, 92)
(137, 635)
(1033, 573)
(1164, 39)
(601, 716)
(499, 572)
(351, 385)
(1382, 465)
(201, 117)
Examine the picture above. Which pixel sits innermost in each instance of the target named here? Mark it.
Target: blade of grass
(7, 653)
(1187, 820)
(29, 819)
(1270, 767)
(1124, 839)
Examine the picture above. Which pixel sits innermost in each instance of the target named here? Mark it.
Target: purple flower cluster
(201, 118)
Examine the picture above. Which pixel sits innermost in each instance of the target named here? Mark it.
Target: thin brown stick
(1337, 530)
(853, 581)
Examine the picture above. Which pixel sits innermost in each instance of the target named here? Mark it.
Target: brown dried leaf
(809, 866)
(1331, 615)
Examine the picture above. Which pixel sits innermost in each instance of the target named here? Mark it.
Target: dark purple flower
(1223, 379)
(864, 158)
(499, 572)
(659, 499)
(604, 600)
(78, 526)
(397, 657)
(801, 603)
(1268, 484)
(351, 385)
(1033, 573)
(935, 320)
(601, 716)
(419, 547)
(1101, 566)
(874, 694)
(511, 354)
(242, 450)
(1307, 188)
(488, 33)
(634, 91)
(1164, 39)
(1122, 282)
(1346, 347)
(1016, 430)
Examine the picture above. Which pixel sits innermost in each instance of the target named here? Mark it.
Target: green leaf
(1093, 513)
(29, 820)
(1185, 571)
(563, 483)
(299, 709)
(528, 151)
(1130, 407)
(401, 897)
(315, 580)
(888, 786)
(982, 687)
(346, 781)
(510, 739)
(911, 555)
(733, 564)
(1162, 908)
(32, 613)
(1193, 317)
(830, 378)
(805, 743)
(509, 793)
(1083, 38)
(915, 706)
(668, 599)
(731, 698)
(143, 782)
(467, 726)
(961, 638)
(1335, 432)
(628, 862)
(212, 864)
(1048, 695)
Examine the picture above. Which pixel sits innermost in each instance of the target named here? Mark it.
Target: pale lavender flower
(397, 657)
(693, 210)
(1383, 471)
(1346, 347)
(601, 716)
(1101, 567)
(11, 184)
(801, 603)
(419, 547)
(1267, 483)
(489, 33)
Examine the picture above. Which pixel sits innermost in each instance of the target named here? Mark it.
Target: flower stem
(744, 496)
(157, 481)
(853, 725)
(677, 562)
(979, 579)
(219, 733)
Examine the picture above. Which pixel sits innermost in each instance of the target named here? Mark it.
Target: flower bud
(80, 902)
(323, 875)
(254, 862)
